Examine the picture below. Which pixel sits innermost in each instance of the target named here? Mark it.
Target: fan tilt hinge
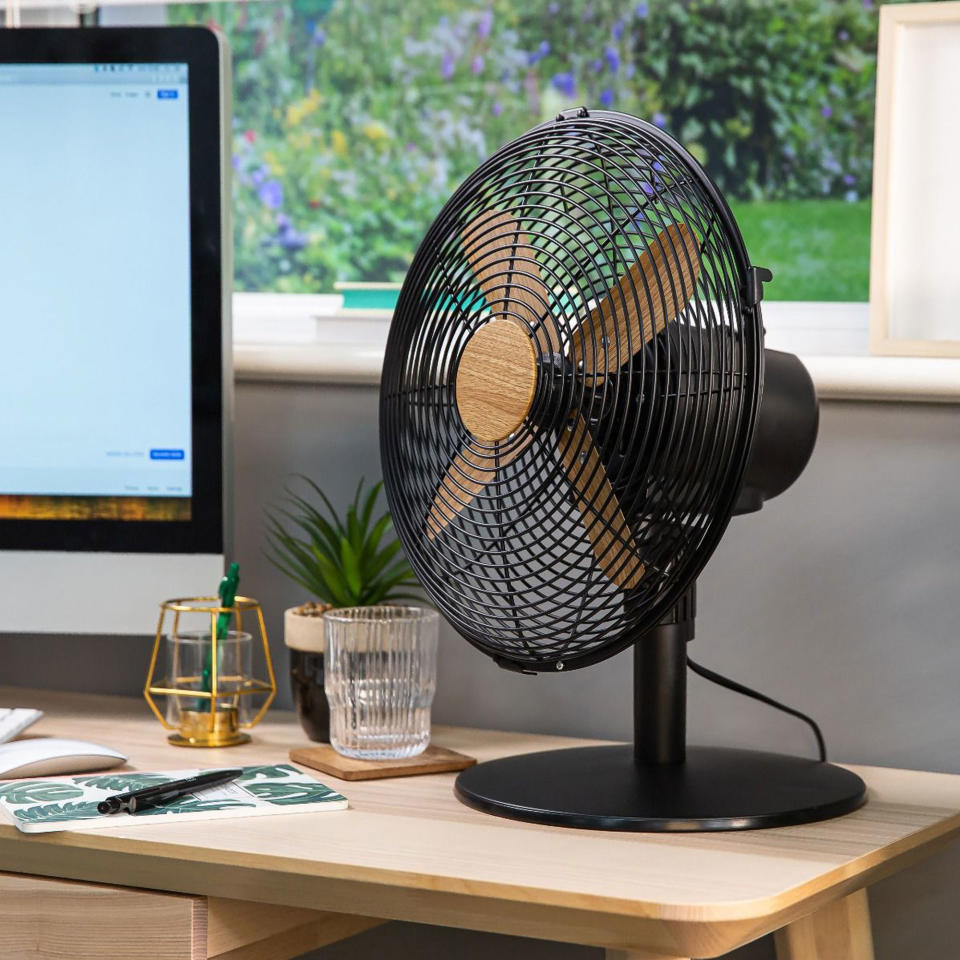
(753, 288)
(574, 113)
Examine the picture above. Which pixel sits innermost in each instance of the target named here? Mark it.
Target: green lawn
(817, 249)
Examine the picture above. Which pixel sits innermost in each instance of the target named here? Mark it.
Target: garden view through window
(356, 119)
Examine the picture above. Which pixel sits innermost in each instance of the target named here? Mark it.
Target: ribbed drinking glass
(381, 674)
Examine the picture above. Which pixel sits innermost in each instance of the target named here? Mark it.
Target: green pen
(227, 591)
(228, 594)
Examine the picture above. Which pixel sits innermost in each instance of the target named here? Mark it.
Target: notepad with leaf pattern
(70, 803)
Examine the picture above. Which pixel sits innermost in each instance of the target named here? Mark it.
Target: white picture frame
(915, 233)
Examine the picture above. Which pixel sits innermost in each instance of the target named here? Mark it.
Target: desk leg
(838, 931)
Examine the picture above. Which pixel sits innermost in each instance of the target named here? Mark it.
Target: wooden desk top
(409, 850)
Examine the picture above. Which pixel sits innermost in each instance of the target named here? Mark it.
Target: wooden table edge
(91, 848)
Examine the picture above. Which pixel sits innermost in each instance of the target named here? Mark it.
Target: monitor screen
(114, 290)
(95, 292)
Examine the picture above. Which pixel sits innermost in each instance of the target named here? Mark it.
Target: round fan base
(603, 788)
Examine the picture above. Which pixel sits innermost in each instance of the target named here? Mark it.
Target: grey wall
(842, 597)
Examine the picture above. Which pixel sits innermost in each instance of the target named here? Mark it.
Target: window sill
(292, 339)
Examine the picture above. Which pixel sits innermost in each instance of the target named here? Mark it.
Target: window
(356, 119)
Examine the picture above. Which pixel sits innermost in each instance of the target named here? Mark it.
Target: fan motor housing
(786, 431)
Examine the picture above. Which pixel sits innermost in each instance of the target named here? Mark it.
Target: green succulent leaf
(376, 535)
(351, 567)
(335, 582)
(333, 513)
(380, 560)
(371, 501)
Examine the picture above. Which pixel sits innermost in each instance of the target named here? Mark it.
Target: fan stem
(660, 686)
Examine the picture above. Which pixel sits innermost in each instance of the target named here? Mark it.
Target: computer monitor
(115, 279)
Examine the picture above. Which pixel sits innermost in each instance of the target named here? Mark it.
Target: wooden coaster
(433, 760)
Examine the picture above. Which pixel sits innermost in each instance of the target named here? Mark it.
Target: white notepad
(70, 803)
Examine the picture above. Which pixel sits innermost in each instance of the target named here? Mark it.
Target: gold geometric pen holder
(211, 695)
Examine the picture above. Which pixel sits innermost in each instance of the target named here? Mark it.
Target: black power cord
(763, 698)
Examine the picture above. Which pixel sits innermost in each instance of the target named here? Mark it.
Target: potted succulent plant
(341, 561)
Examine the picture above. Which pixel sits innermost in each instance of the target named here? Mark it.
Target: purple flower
(319, 37)
(566, 83)
(496, 108)
(291, 239)
(271, 194)
(849, 179)
(826, 112)
(554, 8)
(476, 65)
(485, 24)
(867, 4)
(606, 97)
(447, 66)
(283, 221)
(629, 70)
(410, 146)
(613, 59)
(642, 10)
(539, 53)
(236, 161)
(616, 31)
(851, 196)
(659, 119)
(843, 36)
(596, 65)
(258, 176)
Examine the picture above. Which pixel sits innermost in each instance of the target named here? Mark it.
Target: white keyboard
(14, 720)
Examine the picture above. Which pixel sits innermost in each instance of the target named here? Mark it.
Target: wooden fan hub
(496, 379)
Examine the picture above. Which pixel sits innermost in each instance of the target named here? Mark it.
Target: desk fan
(575, 400)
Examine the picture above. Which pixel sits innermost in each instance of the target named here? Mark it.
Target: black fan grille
(514, 570)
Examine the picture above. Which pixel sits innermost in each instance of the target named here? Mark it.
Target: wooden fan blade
(505, 267)
(606, 526)
(670, 265)
(466, 476)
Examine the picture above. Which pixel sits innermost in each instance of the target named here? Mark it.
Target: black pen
(165, 792)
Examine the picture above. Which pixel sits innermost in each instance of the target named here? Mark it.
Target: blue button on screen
(166, 454)
(167, 94)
